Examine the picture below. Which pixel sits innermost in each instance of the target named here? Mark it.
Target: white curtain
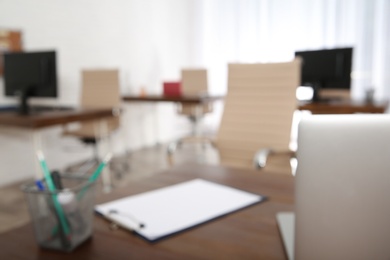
(272, 30)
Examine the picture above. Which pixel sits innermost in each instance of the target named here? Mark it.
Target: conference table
(186, 99)
(250, 233)
(337, 106)
(53, 116)
(196, 101)
(344, 106)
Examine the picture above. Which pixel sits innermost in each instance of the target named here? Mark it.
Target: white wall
(148, 40)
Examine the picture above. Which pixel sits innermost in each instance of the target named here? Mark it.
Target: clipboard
(169, 210)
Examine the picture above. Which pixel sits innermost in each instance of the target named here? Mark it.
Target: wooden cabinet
(9, 41)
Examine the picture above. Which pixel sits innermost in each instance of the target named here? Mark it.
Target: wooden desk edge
(51, 118)
(344, 107)
(178, 99)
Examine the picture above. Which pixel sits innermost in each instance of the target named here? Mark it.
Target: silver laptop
(342, 187)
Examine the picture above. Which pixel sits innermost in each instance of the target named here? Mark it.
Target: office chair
(100, 89)
(258, 113)
(257, 117)
(193, 83)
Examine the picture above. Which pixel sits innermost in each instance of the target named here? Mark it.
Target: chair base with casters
(275, 161)
(194, 113)
(90, 165)
(173, 146)
(266, 158)
(87, 167)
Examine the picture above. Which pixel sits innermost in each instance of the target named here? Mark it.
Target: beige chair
(258, 113)
(100, 89)
(194, 82)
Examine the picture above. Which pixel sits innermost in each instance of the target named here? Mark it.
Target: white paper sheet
(171, 209)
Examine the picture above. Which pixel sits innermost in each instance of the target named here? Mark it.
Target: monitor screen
(31, 72)
(326, 69)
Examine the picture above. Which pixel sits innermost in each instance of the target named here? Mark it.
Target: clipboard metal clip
(115, 225)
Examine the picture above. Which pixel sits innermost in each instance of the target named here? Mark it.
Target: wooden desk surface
(251, 233)
(50, 118)
(180, 99)
(332, 107)
(343, 107)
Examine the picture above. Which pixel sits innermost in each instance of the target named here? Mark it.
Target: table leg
(198, 118)
(37, 146)
(124, 132)
(156, 125)
(105, 140)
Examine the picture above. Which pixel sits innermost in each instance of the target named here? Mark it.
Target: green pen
(100, 168)
(52, 188)
(96, 174)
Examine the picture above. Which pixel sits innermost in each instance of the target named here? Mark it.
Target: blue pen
(40, 185)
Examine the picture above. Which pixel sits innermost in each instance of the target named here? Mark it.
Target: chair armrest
(260, 158)
(117, 111)
(172, 147)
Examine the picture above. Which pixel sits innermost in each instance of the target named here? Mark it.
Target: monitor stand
(317, 97)
(316, 92)
(24, 94)
(327, 99)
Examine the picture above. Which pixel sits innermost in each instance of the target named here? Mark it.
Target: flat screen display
(328, 69)
(31, 72)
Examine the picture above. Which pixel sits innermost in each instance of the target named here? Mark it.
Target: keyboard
(8, 108)
(36, 108)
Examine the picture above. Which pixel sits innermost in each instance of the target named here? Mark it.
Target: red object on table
(172, 89)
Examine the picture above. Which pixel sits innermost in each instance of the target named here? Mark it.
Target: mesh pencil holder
(62, 219)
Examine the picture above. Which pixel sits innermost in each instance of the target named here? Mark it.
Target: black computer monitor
(326, 69)
(30, 74)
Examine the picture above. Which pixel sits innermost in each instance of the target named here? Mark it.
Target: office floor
(145, 162)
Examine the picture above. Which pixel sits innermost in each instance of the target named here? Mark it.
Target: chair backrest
(194, 82)
(258, 112)
(100, 89)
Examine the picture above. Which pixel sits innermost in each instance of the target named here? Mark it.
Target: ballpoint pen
(55, 175)
(40, 185)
